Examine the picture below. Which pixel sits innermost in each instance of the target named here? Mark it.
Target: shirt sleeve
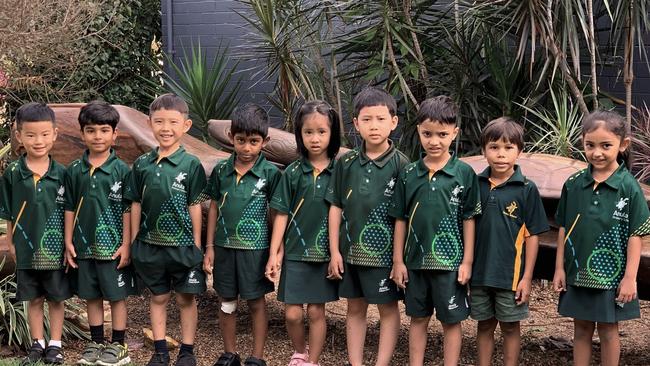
(126, 176)
(333, 194)
(471, 196)
(397, 206)
(69, 194)
(282, 194)
(212, 189)
(535, 220)
(133, 190)
(560, 213)
(638, 215)
(5, 196)
(274, 179)
(197, 185)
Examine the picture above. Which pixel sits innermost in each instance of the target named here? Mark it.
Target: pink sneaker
(298, 359)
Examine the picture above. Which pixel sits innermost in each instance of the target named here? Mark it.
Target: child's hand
(626, 290)
(124, 252)
(559, 280)
(399, 275)
(523, 291)
(208, 260)
(273, 267)
(335, 269)
(70, 255)
(464, 273)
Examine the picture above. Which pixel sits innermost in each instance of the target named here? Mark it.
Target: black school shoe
(35, 355)
(228, 359)
(159, 359)
(53, 355)
(254, 361)
(185, 359)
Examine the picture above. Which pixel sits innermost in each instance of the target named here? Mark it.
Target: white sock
(54, 343)
(41, 342)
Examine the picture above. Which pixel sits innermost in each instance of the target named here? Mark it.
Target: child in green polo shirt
(166, 188)
(301, 220)
(435, 202)
(506, 242)
(360, 229)
(237, 231)
(97, 233)
(602, 216)
(31, 200)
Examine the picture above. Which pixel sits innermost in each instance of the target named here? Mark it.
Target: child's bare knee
(509, 328)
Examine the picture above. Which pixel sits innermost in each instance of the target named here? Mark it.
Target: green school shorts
(491, 302)
(596, 305)
(163, 268)
(53, 285)
(96, 279)
(371, 283)
(306, 283)
(430, 290)
(240, 272)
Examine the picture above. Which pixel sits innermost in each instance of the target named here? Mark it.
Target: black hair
(98, 112)
(504, 128)
(371, 97)
(324, 109)
(612, 122)
(170, 102)
(441, 109)
(250, 119)
(34, 112)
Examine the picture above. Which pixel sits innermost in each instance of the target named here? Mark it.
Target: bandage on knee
(229, 307)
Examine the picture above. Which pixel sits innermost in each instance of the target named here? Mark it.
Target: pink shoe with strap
(298, 359)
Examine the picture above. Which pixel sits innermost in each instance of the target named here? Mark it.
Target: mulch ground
(546, 337)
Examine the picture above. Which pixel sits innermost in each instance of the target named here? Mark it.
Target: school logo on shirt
(390, 187)
(455, 200)
(258, 187)
(178, 182)
(120, 281)
(59, 195)
(192, 278)
(511, 210)
(620, 206)
(116, 191)
(383, 287)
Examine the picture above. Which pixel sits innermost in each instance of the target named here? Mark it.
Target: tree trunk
(628, 67)
(593, 50)
(424, 74)
(402, 81)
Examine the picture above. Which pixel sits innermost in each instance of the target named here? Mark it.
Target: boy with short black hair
(506, 242)
(360, 230)
(97, 233)
(166, 189)
(31, 200)
(435, 202)
(238, 237)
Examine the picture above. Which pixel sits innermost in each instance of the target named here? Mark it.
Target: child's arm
(68, 231)
(124, 251)
(211, 227)
(627, 287)
(399, 273)
(335, 270)
(559, 278)
(524, 288)
(277, 245)
(465, 268)
(10, 242)
(136, 211)
(195, 217)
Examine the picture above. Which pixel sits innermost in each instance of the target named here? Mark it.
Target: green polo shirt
(598, 220)
(512, 211)
(36, 211)
(95, 197)
(243, 202)
(166, 187)
(301, 195)
(363, 189)
(434, 207)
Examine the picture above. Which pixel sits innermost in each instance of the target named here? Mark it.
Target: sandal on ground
(228, 359)
(298, 359)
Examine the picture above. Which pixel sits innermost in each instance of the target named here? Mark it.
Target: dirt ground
(546, 336)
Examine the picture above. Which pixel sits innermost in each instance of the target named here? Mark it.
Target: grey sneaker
(90, 354)
(114, 354)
